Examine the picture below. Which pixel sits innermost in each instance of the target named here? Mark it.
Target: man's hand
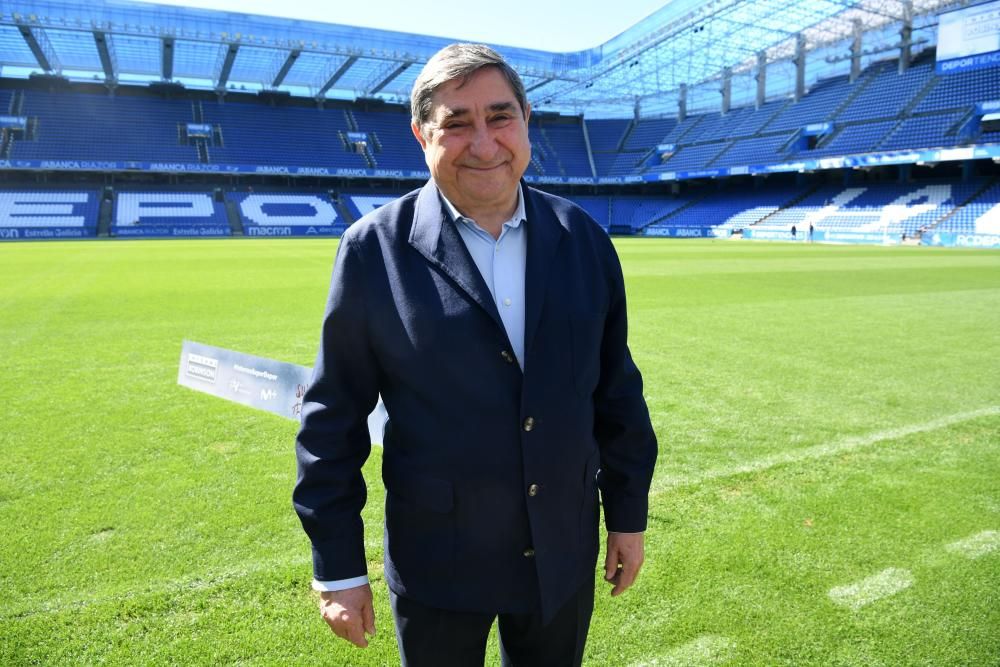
(349, 613)
(624, 557)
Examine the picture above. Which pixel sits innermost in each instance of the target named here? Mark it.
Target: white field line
(874, 588)
(824, 450)
(704, 651)
(977, 545)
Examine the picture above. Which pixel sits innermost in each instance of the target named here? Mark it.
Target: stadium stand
(607, 133)
(599, 208)
(84, 126)
(630, 214)
(168, 214)
(818, 106)
(38, 214)
(625, 164)
(851, 139)
(980, 216)
(758, 150)
(934, 131)
(891, 209)
(681, 129)
(727, 209)
(754, 123)
(393, 140)
(718, 126)
(961, 90)
(693, 157)
(358, 205)
(887, 209)
(566, 142)
(882, 110)
(285, 135)
(287, 214)
(649, 132)
(886, 92)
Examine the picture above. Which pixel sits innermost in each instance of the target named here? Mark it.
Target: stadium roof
(689, 42)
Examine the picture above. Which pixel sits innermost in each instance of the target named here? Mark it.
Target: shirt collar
(515, 220)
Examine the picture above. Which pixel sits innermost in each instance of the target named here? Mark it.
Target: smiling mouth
(492, 168)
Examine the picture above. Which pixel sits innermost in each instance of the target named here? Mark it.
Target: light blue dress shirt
(502, 264)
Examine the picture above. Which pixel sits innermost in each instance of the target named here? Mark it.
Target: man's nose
(484, 143)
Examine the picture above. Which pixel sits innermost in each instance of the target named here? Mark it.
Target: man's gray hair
(459, 62)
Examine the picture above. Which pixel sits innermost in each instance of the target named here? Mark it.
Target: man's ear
(419, 135)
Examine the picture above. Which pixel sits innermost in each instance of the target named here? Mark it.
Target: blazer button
(529, 423)
(507, 356)
(533, 490)
(529, 553)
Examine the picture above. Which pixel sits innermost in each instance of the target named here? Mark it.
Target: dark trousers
(430, 637)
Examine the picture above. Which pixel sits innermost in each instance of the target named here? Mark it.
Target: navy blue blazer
(491, 474)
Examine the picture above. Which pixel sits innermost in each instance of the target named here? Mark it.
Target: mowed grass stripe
(973, 547)
(753, 558)
(150, 524)
(194, 582)
(274, 596)
(665, 483)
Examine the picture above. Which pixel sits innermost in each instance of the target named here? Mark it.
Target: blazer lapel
(435, 237)
(544, 234)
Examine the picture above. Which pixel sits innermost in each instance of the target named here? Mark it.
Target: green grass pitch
(828, 490)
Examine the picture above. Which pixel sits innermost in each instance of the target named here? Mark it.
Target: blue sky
(539, 24)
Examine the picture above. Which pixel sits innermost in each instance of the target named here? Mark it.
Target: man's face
(476, 142)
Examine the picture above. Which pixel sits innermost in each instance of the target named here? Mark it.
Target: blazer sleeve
(333, 442)
(622, 426)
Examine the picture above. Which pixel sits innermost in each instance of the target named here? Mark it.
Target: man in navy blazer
(491, 319)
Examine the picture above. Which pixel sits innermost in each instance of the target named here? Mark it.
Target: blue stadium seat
(83, 126)
(634, 213)
(691, 157)
(169, 214)
(649, 132)
(287, 213)
(605, 134)
(397, 149)
(934, 131)
(598, 207)
(887, 93)
(817, 106)
(32, 213)
(730, 209)
(888, 208)
(962, 90)
(979, 216)
(254, 134)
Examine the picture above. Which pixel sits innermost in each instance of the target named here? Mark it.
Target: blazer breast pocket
(586, 332)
